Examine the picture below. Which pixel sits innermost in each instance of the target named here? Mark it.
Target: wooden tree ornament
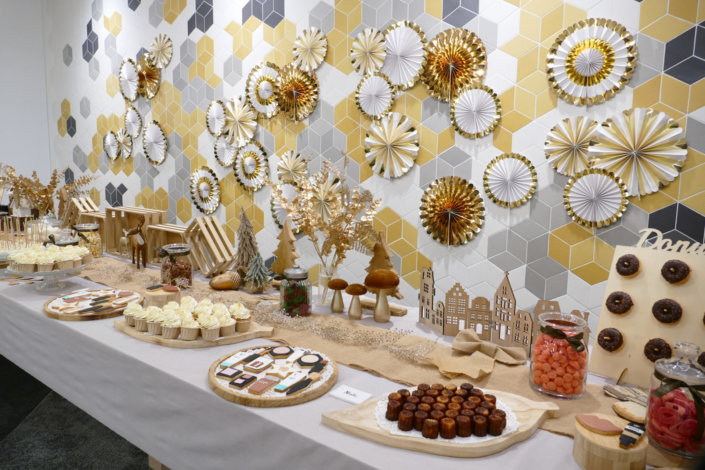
(247, 243)
(257, 277)
(138, 244)
(382, 259)
(286, 250)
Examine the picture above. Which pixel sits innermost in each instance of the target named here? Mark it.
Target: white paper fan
(476, 111)
(224, 151)
(133, 122)
(374, 95)
(154, 143)
(215, 118)
(405, 44)
(510, 180)
(110, 145)
(595, 198)
(128, 80)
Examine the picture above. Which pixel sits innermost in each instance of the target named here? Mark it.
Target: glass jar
(177, 269)
(295, 293)
(559, 356)
(676, 413)
(89, 237)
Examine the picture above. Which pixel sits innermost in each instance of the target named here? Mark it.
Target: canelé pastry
(468, 413)
(429, 400)
(424, 407)
(430, 429)
(479, 425)
(482, 411)
(701, 359)
(439, 406)
(408, 406)
(675, 271)
(418, 393)
(395, 396)
(495, 426)
(404, 392)
(406, 420)
(438, 387)
(447, 428)
(456, 399)
(610, 339)
(657, 348)
(463, 425)
(466, 386)
(667, 310)
(627, 265)
(619, 302)
(423, 387)
(455, 406)
(432, 393)
(488, 405)
(419, 418)
(452, 413)
(393, 410)
(414, 400)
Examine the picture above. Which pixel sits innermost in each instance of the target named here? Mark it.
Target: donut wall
(647, 310)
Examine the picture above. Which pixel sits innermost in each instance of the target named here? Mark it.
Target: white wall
(24, 131)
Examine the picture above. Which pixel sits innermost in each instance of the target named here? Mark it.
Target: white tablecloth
(158, 398)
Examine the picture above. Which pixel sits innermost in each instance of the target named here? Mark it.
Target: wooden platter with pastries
(90, 304)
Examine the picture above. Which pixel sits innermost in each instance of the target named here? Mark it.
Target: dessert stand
(51, 280)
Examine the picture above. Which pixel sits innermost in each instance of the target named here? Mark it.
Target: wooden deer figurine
(138, 244)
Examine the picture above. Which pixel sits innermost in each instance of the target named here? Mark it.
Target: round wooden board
(83, 316)
(593, 451)
(256, 331)
(360, 421)
(242, 398)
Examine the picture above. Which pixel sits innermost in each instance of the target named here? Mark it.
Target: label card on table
(350, 395)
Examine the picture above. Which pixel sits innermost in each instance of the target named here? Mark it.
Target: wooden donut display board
(361, 421)
(256, 331)
(638, 325)
(272, 376)
(90, 304)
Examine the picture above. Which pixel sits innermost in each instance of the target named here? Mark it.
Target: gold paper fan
(261, 89)
(240, 121)
(595, 198)
(161, 51)
(124, 140)
(456, 58)
(642, 146)
(205, 190)
(392, 145)
(368, 52)
(297, 92)
(452, 210)
(148, 77)
(291, 167)
(328, 194)
(310, 49)
(251, 167)
(566, 145)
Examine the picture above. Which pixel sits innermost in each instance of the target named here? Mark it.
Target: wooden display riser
(594, 451)
(163, 234)
(119, 218)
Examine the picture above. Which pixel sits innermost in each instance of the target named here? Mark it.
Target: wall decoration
(297, 92)
(251, 167)
(510, 180)
(224, 150)
(128, 80)
(642, 146)
(111, 146)
(456, 58)
(215, 118)
(452, 210)
(595, 198)
(124, 141)
(132, 122)
(161, 51)
(374, 95)
(205, 190)
(240, 121)
(325, 195)
(291, 167)
(591, 61)
(368, 51)
(476, 111)
(310, 48)
(567, 143)
(392, 145)
(154, 143)
(405, 43)
(279, 214)
(148, 77)
(261, 89)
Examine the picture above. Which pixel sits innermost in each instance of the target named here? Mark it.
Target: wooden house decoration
(426, 295)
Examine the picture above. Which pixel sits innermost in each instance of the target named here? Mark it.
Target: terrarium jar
(177, 269)
(559, 356)
(89, 237)
(676, 414)
(295, 293)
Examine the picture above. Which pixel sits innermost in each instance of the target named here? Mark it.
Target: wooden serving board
(256, 331)
(594, 451)
(360, 421)
(248, 399)
(64, 316)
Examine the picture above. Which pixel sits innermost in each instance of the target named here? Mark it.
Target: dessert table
(159, 399)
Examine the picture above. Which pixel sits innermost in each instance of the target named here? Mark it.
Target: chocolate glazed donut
(619, 302)
(627, 265)
(657, 348)
(667, 310)
(675, 271)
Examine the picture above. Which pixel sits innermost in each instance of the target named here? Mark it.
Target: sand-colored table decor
(326, 377)
(90, 304)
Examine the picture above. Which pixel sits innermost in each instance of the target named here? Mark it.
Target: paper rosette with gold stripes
(240, 121)
(279, 214)
(297, 92)
(149, 77)
(392, 145)
(224, 150)
(111, 146)
(124, 140)
(475, 111)
(452, 210)
(595, 198)
(591, 61)
(261, 89)
(161, 51)
(128, 80)
(368, 51)
(215, 118)
(310, 49)
(154, 143)
(510, 180)
(251, 167)
(374, 95)
(132, 121)
(205, 190)
(405, 43)
(292, 166)
(567, 143)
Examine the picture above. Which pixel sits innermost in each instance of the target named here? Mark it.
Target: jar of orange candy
(559, 356)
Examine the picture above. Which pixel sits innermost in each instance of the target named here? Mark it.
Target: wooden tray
(360, 421)
(243, 398)
(116, 312)
(256, 331)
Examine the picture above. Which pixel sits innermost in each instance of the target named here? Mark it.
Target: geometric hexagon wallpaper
(217, 43)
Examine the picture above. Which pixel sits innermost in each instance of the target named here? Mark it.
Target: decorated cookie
(619, 302)
(243, 381)
(281, 370)
(598, 425)
(630, 411)
(263, 384)
(610, 339)
(229, 373)
(260, 364)
(627, 265)
(234, 360)
(281, 352)
(675, 271)
(309, 360)
(657, 348)
(667, 310)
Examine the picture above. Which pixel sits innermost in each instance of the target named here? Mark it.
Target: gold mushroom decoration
(310, 49)
(392, 145)
(251, 167)
(261, 89)
(405, 43)
(642, 146)
(161, 51)
(368, 51)
(595, 198)
(455, 58)
(240, 122)
(148, 76)
(567, 143)
(452, 210)
(291, 167)
(297, 92)
(510, 180)
(124, 141)
(205, 190)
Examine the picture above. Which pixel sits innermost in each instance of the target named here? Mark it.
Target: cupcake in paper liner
(129, 312)
(227, 325)
(189, 329)
(154, 320)
(140, 317)
(171, 326)
(242, 316)
(210, 328)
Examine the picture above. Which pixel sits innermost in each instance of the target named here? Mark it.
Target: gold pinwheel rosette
(205, 190)
(368, 51)
(148, 76)
(455, 58)
(567, 144)
(310, 49)
(128, 80)
(240, 121)
(392, 145)
(591, 61)
(132, 121)
(124, 141)
(297, 92)
(292, 166)
(510, 180)
(452, 210)
(161, 51)
(476, 111)
(595, 198)
(405, 43)
(154, 143)
(261, 89)
(251, 167)
(111, 145)
(215, 118)
(375, 95)
(279, 213)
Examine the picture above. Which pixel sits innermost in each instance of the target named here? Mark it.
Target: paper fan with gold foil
(292, 166)
(261, 89)
(392, 145)
(111, 146)
(224, 151)
(240, 121)
(251, 167)
(297, 92)
(452, 210)
(642, 146)
(215, 118)
(567, 143)
(591, 61)
(476, 111)
(161, 51)
(279, 214)
(455, 58)
(205, 190)
(510, 180)
(132, 121)
(128, 80)
(310, 49)
(595, 198)
(325, 196)
(124, 140)
(374, 95)
(154, 143)
(405, 43)
(368, 51)
(148, 77)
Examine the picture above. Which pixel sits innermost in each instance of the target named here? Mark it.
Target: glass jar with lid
(177, 269)
(295, 293)
(676, 415)
(89, 237)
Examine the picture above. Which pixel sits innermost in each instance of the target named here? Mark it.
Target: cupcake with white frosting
(140, 317)
(189, 329)
(155, 315)
(129, 312)
(171, 326)
(210, 328)
(242, 316)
